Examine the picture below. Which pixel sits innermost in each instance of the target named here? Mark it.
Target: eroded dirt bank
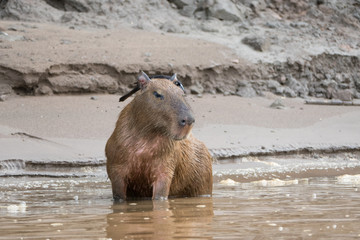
(245, 48)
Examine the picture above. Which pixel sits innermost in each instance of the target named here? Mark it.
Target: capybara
(152, 152)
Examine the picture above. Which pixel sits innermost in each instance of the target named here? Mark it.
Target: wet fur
(150, 156)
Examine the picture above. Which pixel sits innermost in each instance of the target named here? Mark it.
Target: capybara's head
(161, 108)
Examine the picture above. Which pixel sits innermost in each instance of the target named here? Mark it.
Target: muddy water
(81, 208)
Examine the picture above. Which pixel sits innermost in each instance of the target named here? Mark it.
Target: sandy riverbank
(77, 127)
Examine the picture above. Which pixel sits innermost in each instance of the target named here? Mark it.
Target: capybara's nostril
(183, 122)
(186, 121)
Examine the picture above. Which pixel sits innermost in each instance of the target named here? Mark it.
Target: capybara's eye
(177, 83)
(158, 95)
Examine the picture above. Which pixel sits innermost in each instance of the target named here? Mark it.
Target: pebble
(257, 43)
(3, 98)
(299, 24)
(277, 104)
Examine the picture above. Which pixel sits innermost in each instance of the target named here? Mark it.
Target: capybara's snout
(187, 120)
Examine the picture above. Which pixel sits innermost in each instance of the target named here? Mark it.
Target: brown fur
(151, 155)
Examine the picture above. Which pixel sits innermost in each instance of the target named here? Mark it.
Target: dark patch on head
(158, 95)
(161, 77)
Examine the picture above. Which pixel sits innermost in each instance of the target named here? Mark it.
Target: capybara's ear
(173, 77)
(143, 80)
(177, 82)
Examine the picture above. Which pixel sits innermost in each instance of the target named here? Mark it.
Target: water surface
(81, 208)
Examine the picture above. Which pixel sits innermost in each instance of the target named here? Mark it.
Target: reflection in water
(147, 219)
(314, 208)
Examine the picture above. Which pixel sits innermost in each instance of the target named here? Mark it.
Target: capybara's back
(152, 152)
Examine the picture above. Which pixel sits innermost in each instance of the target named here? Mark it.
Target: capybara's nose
(188, 120)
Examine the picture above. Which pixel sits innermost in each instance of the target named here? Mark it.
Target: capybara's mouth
(182, 133)
(179, 138)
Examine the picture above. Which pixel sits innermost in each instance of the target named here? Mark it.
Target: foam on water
(17, 208)
(349, 179)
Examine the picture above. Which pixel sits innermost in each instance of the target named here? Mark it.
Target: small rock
(357, 95)
(272, 84)
(343, 95)
(196, 89)
(345, 47)
(258, 5)
(277, 104)
(247, 91)
(282, 79)
(299, 24)
(5, 89)
(289, 92)
(297, 87)
(243, 83)
(44, 90)
(188, 10)
(15, 29)
(225, 10)
(181, 3)
(169, 27)
(272, 24)
(3, 98)
(226, 93)
(330, 91)
(275, 87)
(209, 27)
(257, 43)
(93, 98)
(279, 90)
(65, 41)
